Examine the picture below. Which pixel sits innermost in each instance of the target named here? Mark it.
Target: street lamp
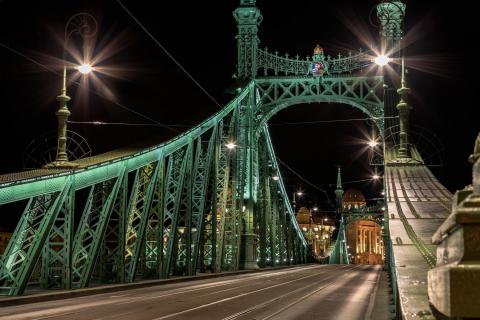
(85, 25)
(85, 68)
(372, 143)
(382, 60)
(231, 145)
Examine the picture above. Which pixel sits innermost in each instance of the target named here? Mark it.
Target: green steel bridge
(207, 200)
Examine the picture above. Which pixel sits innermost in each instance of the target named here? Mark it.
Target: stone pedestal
(454, 284)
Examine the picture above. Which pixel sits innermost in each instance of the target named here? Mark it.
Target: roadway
(309, 292)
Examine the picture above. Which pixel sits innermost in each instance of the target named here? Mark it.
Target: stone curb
(50, 296)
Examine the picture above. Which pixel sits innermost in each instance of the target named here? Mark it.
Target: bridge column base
(248, 259)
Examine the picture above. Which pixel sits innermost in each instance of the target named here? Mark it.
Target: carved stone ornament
(476, 151)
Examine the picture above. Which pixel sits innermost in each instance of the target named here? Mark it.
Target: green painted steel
(28, 240)
(91, 232)
(190, 204)
(339, 254)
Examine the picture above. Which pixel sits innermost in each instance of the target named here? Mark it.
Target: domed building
(353, 199)
(304, 217)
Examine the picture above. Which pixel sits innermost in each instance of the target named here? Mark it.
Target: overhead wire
(90, 90)
(168, 53)
(102, 123)
(330, 121)
(306, 181)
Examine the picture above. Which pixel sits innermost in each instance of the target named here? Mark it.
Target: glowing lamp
(85, 68)
(373, 143)
(382, 60)
(231, 146)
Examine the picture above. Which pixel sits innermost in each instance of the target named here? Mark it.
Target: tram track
(277, 298)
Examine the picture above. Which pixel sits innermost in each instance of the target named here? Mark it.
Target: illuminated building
(364, 237)
(317, 229)
(4, 239)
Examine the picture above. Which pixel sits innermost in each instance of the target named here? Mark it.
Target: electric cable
(168, 53)
(331, 121)
(306, 181)
(90, 90)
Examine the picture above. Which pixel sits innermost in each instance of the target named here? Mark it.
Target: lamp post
(85, 25)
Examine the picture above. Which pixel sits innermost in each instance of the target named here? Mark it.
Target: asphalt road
(311, 292)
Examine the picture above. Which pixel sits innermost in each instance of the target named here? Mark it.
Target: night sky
(201, 36)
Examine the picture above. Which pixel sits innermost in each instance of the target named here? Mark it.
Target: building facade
(364, 237)
(317, 229)
(364, 242)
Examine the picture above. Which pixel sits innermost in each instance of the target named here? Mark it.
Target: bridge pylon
(248, 19)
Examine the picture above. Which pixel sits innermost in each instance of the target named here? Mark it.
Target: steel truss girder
(173, 188)
(339, 254)
(56, 256)
(224, 199)
(137, 215)
(91, 233)
(112, 262)
(190, 201)
(281, 228)
(28, 240)
(201, 178)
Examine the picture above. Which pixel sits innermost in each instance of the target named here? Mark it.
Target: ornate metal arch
(362, 92)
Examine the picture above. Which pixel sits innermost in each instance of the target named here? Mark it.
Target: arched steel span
(205, 200)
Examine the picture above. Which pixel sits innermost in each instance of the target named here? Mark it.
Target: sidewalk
(6, 301)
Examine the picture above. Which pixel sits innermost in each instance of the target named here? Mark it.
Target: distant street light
(231, 146)
(276, 178)
(382, 60)
(84, 25)
(299, 193)
(375, 177)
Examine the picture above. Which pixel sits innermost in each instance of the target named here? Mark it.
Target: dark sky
(201, 35)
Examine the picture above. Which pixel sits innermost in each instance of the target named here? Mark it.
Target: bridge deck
(417, 205)
(308, 292)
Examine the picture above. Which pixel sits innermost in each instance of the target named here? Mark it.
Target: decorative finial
(318, 50)
(339, 178)
(247, 2)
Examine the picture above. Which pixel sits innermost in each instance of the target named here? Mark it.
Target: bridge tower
(248, 19)
(390, 14)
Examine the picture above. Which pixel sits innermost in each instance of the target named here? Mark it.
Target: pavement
(344, 292)
(35, 294)
(417, 205)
